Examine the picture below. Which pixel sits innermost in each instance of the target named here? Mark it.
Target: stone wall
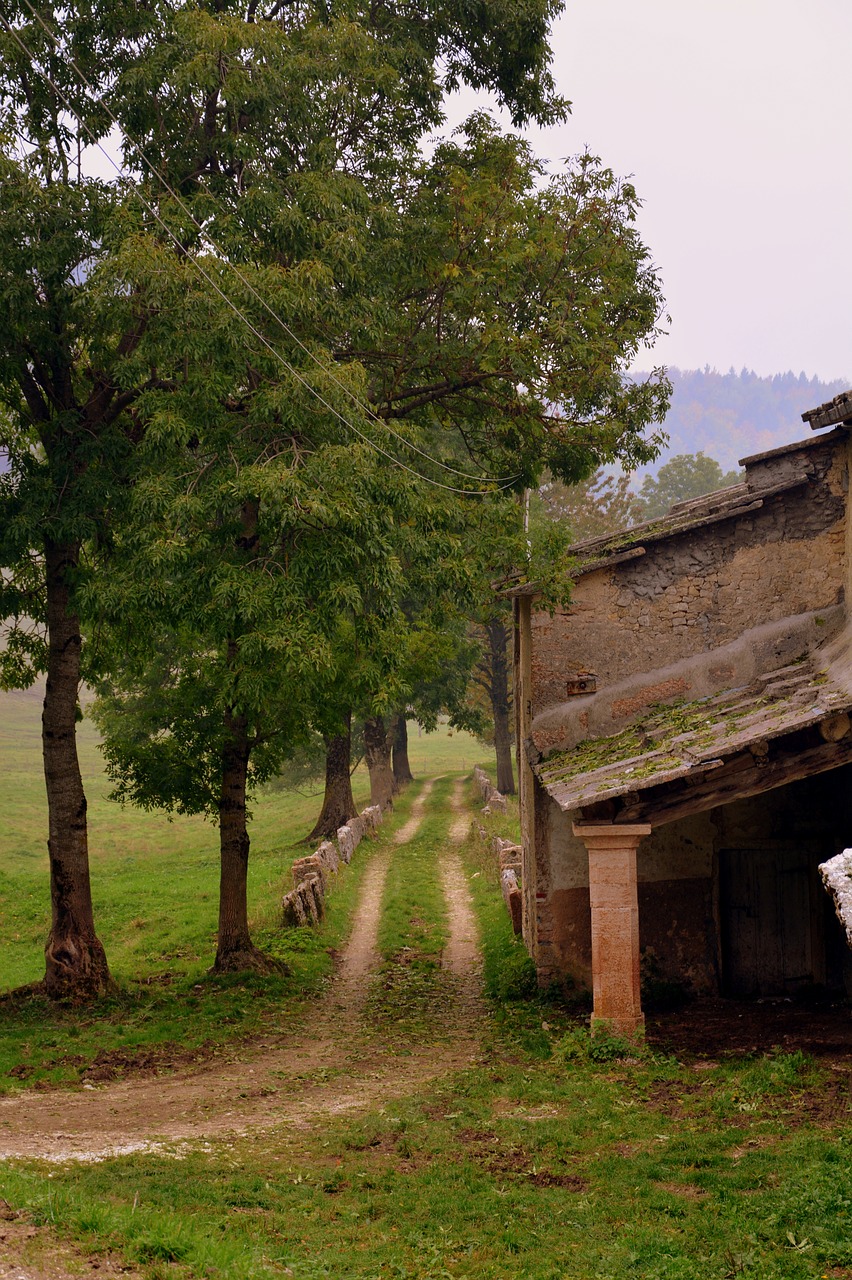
(495, 802)
(313, 875)
(509, 858)
(700, 590)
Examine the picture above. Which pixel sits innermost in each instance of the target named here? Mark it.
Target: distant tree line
(730, 415)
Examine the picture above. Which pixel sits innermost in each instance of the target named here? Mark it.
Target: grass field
(155, 887)
(551, 1157)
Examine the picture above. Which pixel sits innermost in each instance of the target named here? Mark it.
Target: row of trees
(268, 401)
(473, 681)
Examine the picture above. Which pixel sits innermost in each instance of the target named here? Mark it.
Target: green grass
(541, 1164)
(410, 987)
(155, 885)
(546, 1160)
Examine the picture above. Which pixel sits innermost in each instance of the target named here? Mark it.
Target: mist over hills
(730, 415)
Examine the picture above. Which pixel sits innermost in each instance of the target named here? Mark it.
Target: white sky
(733, 117)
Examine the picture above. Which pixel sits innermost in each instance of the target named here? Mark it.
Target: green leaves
(238, 396)
(682, 477)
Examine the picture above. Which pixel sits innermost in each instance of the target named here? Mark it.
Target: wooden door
(765, 901)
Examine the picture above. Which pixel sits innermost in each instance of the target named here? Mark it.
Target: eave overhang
(689, 757)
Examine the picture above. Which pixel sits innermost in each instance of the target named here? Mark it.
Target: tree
(400, 762)
(338, 804)
(729, 415)
(685, 476)
(502, 318)
(65, 428)
(248, 597)
(505, 553)
(485, 313)
(601, 504)
(221, 101)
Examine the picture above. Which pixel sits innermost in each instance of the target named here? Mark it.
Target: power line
(500, 482)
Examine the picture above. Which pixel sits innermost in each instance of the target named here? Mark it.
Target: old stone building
(685, 752)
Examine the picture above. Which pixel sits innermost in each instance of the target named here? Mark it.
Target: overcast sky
(733, 116)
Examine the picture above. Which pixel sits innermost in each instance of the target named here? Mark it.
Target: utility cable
(502, 482)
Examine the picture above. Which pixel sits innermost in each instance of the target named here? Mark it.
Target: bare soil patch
(713, 1028)
(509, 1160)
(461, 819)
(34, 1253)
(686, 1190)
(410, 828)
(461, 956)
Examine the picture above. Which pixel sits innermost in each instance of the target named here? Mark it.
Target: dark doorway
(769, 925)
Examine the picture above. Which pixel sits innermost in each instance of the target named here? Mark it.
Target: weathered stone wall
(494, 801)
(313, 875)
(701, 589)
(682, 921)
(676, 914)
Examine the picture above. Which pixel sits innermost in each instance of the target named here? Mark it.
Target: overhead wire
(501, 483)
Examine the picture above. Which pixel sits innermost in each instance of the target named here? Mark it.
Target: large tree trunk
(377, 747)
(338, 805)
(498, 642)
(235, 949)
(76, 963)
(401, 768)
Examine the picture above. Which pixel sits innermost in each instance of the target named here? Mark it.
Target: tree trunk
(498, 641)
(235, 950)
(377, 747)
(76, 963)
(401, 768)
(338, 806)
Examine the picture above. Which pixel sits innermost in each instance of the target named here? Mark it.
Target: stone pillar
(615, 924)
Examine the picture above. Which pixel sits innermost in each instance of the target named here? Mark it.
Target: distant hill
(730, 415)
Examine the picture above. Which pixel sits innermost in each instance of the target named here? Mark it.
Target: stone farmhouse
(684, 737)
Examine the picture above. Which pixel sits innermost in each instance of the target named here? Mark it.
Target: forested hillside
(730, 415)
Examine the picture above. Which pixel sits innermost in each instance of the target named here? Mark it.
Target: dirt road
(329, 1067)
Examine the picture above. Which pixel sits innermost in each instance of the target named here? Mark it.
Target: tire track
(462, 957)
(415, 819)
(330, 1066)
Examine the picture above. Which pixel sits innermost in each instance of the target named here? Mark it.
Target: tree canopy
(243, 391)
(687, 475)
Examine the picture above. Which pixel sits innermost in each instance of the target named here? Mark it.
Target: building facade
(685, 741)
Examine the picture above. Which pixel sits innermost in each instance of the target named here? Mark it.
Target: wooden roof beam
(748, 773)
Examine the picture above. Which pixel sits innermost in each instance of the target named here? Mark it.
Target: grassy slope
(543, 1162)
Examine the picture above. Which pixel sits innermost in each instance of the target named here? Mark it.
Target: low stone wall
(312, 876)
(494, 801)
(507, 853)
(509, 856)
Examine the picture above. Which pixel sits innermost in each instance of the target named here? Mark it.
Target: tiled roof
(683, 517)
(690, 739)
(832, 412)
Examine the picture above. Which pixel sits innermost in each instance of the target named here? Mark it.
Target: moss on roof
(648, 746)
(677, 738)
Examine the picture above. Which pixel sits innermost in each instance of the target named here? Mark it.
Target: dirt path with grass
(333, 1064)
(461, 954)
(409, 830)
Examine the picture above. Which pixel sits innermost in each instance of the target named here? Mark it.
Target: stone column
(615, 923)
